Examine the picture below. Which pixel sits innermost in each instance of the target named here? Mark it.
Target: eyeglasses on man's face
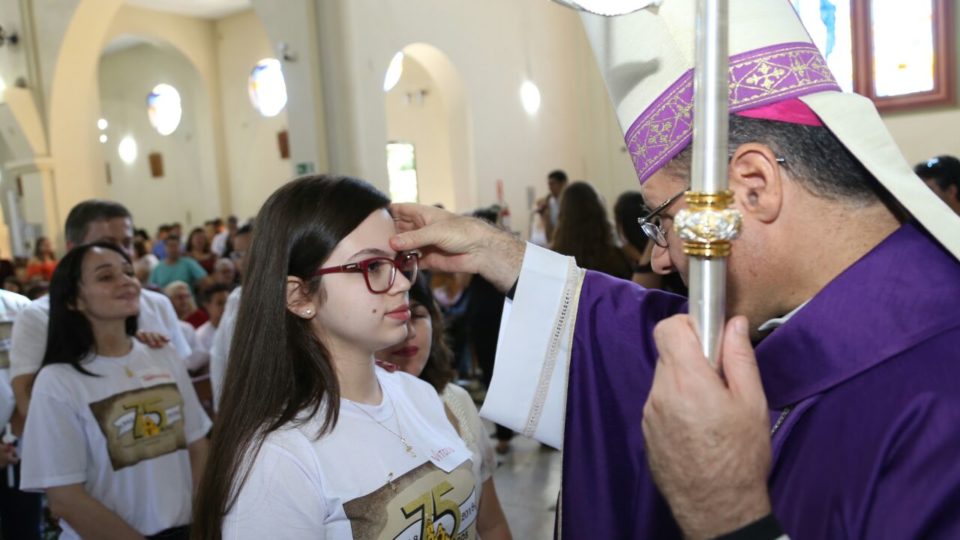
(380, 273)
(651, 226)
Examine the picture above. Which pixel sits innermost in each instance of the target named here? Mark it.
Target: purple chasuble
(869, 370)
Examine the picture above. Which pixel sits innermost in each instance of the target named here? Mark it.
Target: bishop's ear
(299, 300)
(756, 178)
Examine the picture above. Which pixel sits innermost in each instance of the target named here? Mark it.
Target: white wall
(253, 155)
(924, 134)
(494, 45)
(423, 123)
(187, 192)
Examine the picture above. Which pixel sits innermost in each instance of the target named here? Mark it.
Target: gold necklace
(398, 434)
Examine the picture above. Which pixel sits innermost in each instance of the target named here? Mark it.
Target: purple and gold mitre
(647, 60)
(775, 72)
(757, 78)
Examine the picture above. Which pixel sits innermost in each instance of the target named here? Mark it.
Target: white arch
(453, 94)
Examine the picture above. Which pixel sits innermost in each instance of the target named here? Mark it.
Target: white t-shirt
(205, 336)
(358, 481)
(471, 430)
(220, 351)
(219, 243)
(11, 304)
(123, 435)
(30, 330)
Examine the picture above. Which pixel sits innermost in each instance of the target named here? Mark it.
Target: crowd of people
(299, 376)
(129, 324)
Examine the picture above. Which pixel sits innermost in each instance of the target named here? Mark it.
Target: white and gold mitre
(776, 72)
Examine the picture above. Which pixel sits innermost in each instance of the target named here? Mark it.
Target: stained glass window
(828, 23)
(900, 54)
(164, 109)
(903, 56)
(268, 91)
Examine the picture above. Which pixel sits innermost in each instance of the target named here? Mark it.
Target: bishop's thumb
(738, 358)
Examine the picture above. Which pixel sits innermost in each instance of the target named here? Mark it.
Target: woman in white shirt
(312, 439)
(424, 354)
(115, 434)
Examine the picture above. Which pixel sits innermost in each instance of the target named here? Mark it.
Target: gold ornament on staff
(708, 224)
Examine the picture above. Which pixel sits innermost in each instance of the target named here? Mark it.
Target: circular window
(268, 92)
(163, 108)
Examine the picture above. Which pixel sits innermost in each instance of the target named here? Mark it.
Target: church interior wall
(255, 166)
(495, 45)
(417, 114)
(186, 191)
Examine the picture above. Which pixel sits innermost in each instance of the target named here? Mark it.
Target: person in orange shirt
(43, 262)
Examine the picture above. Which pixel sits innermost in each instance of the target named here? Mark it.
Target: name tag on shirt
(448, 458)
(151, 376)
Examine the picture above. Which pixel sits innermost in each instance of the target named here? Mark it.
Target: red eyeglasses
(380, 272)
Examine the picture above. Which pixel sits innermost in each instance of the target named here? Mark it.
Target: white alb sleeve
(528, 392)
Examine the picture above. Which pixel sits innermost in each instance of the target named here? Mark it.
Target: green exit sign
(305, 168)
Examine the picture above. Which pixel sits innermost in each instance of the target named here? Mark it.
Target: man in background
(548, 208)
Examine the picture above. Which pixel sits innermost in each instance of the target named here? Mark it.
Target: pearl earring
(307, 312)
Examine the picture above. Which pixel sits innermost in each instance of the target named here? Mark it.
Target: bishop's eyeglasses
(380, 273)
(650, 224)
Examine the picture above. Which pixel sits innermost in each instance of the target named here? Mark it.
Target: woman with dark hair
(42, 264)
(312, 439)
(583, 232)
(115, 436)
(636, 246)
(424, 354)
(198, 247)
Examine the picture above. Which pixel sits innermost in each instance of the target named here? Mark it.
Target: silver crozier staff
(707, 225)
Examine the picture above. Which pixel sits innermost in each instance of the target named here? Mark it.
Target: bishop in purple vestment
(847, 271)
(867, 374)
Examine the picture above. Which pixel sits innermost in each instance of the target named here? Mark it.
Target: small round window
(163, 108)
(268, 92)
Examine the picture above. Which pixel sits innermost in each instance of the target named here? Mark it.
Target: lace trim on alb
(562, 324)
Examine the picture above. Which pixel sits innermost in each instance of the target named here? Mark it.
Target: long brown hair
(584, 232)
(277, 367)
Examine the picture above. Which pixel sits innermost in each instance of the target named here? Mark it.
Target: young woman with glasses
(312, 439)
(115, 436)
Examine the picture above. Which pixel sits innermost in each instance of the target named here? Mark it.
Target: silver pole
(709, 174)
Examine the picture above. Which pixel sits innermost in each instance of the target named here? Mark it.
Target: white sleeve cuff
(528, 392)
